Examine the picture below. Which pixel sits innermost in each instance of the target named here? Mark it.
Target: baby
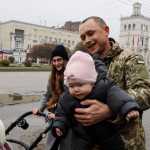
(87, 80)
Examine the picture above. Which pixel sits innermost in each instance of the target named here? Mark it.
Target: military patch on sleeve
(140, 61)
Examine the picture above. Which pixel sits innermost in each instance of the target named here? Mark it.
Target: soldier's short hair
(98, 20)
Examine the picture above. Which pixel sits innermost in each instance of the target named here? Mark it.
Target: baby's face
(80, 90)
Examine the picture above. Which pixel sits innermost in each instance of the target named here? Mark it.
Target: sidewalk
(9, 113)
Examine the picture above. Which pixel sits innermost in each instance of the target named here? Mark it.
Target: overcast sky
(57, 12)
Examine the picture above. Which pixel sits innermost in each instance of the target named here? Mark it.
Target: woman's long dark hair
(60, 74)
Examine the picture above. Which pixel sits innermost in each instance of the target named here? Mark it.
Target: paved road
(31, 83)
(24, 83)
(19, 87)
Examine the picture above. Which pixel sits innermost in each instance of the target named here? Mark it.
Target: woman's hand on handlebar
(35, 111)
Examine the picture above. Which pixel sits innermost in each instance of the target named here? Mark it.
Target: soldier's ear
(106, 30)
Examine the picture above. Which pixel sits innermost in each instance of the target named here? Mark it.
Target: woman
(55, 88)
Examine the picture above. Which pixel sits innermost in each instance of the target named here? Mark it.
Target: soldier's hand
(96, 112)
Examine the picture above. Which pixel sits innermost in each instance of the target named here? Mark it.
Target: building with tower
(135, 33)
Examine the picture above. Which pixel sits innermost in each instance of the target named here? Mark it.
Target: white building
(21, 36)
(135, 33)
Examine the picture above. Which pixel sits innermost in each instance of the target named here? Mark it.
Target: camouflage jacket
(132, 76)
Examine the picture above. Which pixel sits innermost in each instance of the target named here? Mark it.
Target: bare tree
(41, 51)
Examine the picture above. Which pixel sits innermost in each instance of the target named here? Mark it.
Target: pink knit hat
(80, 69)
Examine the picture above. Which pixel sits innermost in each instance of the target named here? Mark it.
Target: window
(72, 42)
(40, 38)
(5, 57)
(133, 27)
(17, 35)
(46, 38)
(68, 42)
(50, 39)
(55, 40)
(29, 36)
(59, 41)
(125, 27)
(146, 28)
(64, 41)
(35, 37)
(129, 27)
(142, 26)
(29, 46)
(18, 45)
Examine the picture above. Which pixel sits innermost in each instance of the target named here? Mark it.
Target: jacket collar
(100, 67)
(115, 49)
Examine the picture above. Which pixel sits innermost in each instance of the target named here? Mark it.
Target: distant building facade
(19, 37)
(72, 26)
(135, 33)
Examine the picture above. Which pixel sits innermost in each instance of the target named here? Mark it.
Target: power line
(148, 5)
(95, 9)
(145, 1)
(142, 4)
(131, 5)
(111, 9)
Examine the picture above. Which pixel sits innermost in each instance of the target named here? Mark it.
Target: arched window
(133, 26)
(125, 27)
(146, 28)
(142, 26)
(129, 27)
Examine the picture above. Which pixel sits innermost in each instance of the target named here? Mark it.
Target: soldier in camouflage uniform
(128, 69)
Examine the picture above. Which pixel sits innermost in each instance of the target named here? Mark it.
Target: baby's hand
(59, 132)
(50, 116)
(132, 114)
